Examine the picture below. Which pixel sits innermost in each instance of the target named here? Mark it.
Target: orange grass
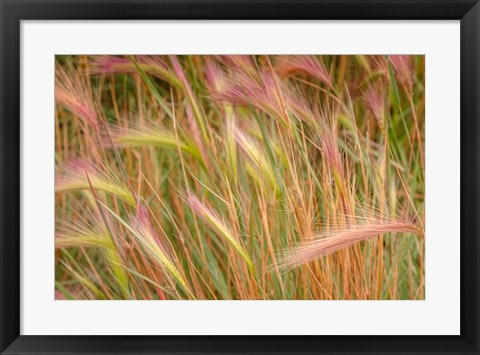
(239, 177)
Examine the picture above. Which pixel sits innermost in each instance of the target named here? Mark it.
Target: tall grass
(240, 177)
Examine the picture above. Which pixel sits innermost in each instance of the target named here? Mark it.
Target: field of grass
(239, 177)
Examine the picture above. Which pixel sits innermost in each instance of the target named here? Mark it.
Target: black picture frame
(14, 11)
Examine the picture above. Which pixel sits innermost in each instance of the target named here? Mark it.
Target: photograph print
(240, 177)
